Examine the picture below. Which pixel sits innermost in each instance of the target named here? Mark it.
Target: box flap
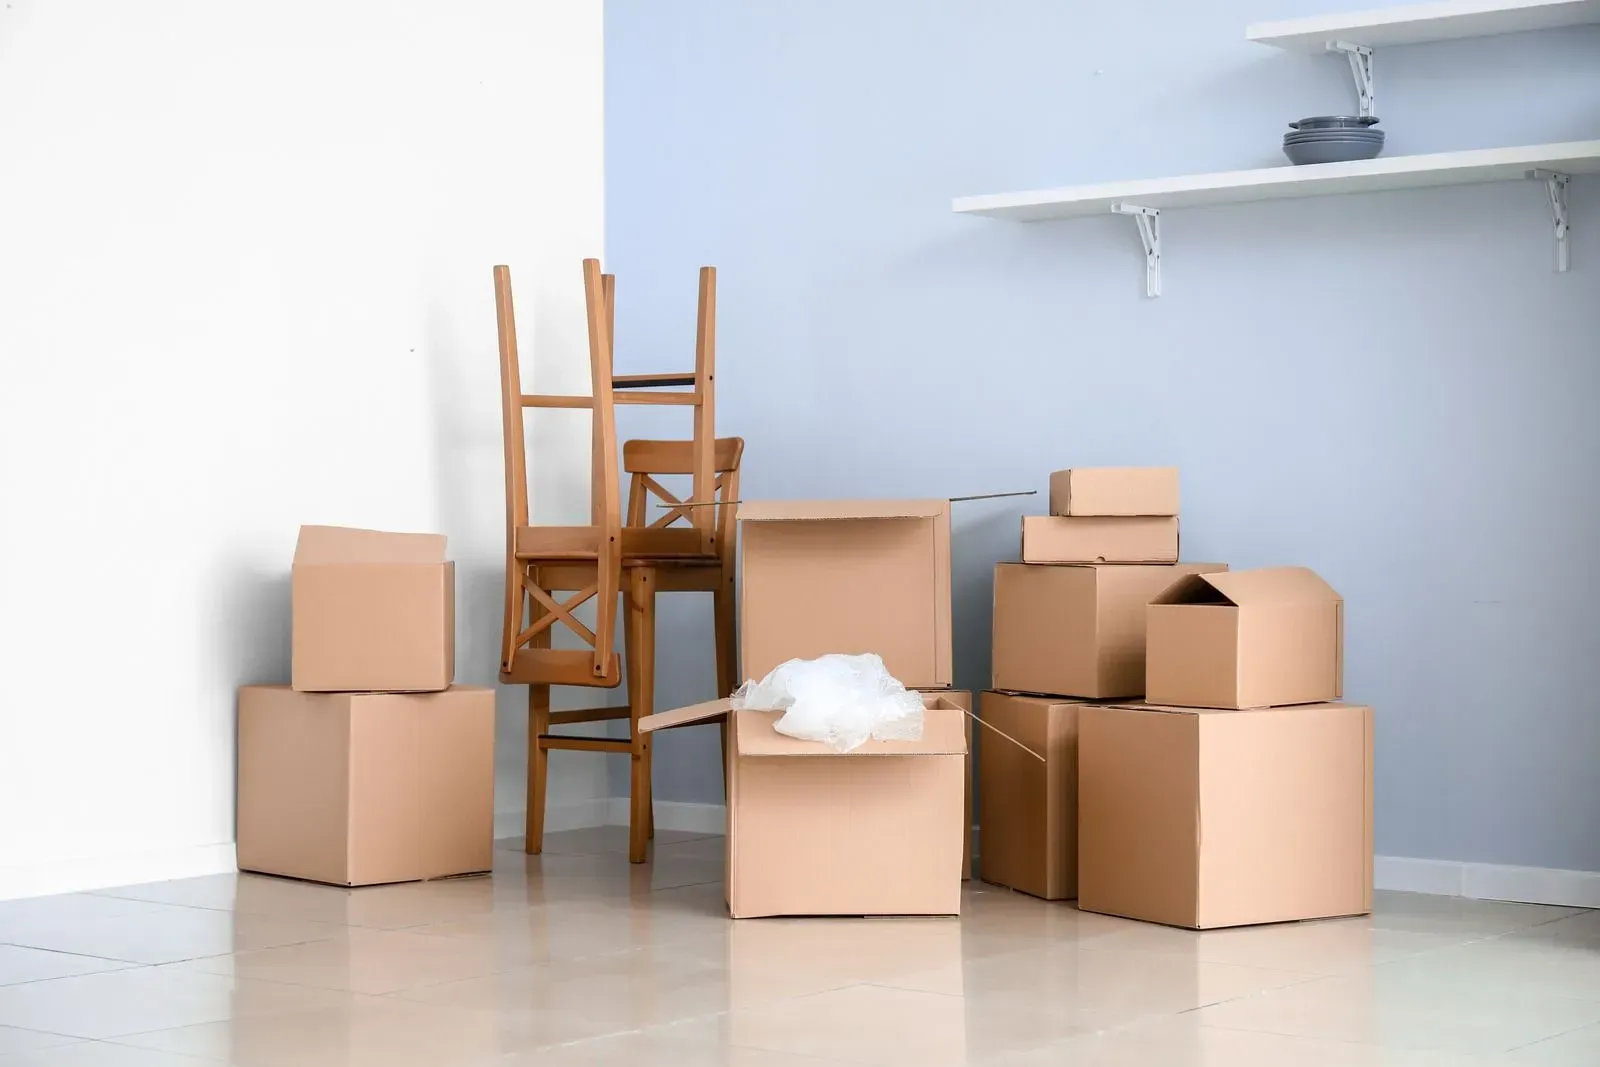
(944, 733)
(819, 510)
(345, 544)
(1268, 585)
(710, 711)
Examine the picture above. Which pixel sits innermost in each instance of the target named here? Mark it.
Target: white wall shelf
(1421, 23)
(1552, 163)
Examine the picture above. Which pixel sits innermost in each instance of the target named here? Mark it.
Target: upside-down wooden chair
(607, 557)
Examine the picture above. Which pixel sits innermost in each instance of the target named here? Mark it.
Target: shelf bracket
(1556, 183)
(1149, 221)
(1360, 57)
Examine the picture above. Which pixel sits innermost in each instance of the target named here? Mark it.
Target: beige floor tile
(1083, 976)
(19, 964)
(14, 1040)
(1181, 1042)
(1401, 1012)
(692, 1044)
(100, 1054)
(1420, 913)
(603, 839)
(20, 918)
(368, 1032)
(373, 961)
(1516, 965)
(168, 935)
(147, 998)
(1327, 947)
(1577, 1048)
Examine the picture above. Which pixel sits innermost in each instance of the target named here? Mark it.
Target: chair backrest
(645, 460)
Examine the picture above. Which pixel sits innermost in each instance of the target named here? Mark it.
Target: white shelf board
(1269, 183)
(1420, 23)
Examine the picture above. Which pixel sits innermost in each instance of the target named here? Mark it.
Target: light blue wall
(1394, 389)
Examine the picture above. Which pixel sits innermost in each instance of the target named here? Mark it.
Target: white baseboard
(1489, 881)
(103, 872)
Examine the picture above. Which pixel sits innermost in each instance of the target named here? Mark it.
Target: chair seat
(666, 543)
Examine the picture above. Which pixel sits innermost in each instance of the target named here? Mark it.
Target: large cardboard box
(848, 576)
(1246, 639)
(1028, 808)
(365, 788)
(962, 699)
(372, 612)
(1114, 491)
(811, 831)
(1100, 539)
(1077, 629)
(1201, 818)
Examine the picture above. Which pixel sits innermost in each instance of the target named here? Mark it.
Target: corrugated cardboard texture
(813, 832)
(1136, 539)
(962, 698)
(1246, 639)
(362, 789)
(1206, 819)
(1114, 491)
(1029, 809)
(851, 577)
(372, 612)
(1076, 630)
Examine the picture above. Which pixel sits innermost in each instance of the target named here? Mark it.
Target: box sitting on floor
(851, 576)
(811, 831)
(1201, 818)
(371, 612)
(365, 788)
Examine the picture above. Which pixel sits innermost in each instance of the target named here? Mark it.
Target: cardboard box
(1076, 629)
(365, 788)
(847, 576)
(1122, 539)
(1114, 491)
(1246, 639)
(1203, 818)
(372, 612)
(962, 699)
(812, 831)
(1028, 808)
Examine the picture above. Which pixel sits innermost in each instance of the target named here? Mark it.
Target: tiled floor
(575, 958)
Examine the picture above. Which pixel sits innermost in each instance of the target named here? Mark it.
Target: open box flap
(345, 544)
(710, 711)
(1269, 585)
(825, 510)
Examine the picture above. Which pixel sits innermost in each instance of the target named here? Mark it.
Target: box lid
(345, 544)
(1268, 585)
(823, 510)
(943, 731)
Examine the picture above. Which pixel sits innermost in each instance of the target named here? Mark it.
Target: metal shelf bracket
(1149, 222)
(1360, 57)
(1556, 184)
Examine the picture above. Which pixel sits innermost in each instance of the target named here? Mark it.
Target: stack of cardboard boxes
(1169, 811)
(371, 766)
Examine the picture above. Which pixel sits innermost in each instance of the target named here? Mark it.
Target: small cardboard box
(848, 576)
(365, 788)
(1201, 818)
(1076, 629)
(372, 612)
(811, 831)
(1097, 539)
(1029, 809)
(1246, 639)
(1114, 491)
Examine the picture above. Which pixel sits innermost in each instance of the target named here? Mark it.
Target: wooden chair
(608, 557)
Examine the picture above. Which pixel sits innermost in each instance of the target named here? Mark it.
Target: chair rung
(680, 399)
(650, 381)
(559, 718)
(586, 744)
(552, 400)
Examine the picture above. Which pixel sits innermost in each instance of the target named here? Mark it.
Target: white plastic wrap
(838, 700)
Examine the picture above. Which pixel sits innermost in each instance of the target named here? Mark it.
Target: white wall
(245, 257)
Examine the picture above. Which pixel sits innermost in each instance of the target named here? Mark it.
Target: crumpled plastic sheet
(836, 699)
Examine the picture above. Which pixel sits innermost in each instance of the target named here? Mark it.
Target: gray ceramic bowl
(1325, 122)
(1306, 153)
(1332, 135)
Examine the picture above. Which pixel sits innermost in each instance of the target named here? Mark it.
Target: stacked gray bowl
(1332, 139)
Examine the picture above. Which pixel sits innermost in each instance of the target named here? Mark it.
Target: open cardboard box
(811, 831)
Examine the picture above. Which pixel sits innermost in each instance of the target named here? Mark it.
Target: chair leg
(538, 767)
(641, 699)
